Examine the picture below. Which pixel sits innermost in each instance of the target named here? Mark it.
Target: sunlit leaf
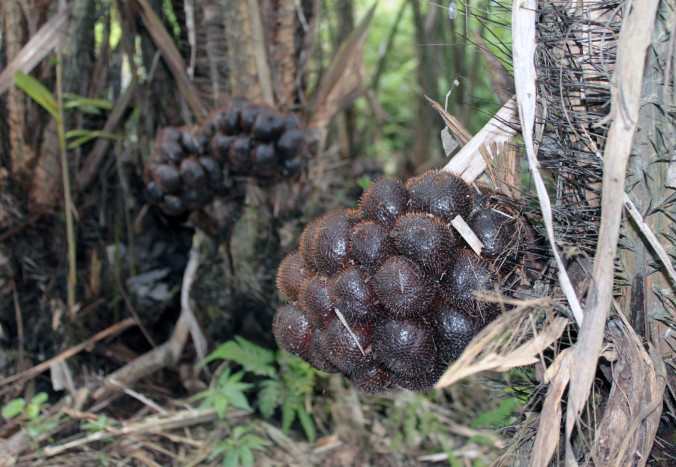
(38, 93)
(88, 135)
(251, 357)
(13, 408)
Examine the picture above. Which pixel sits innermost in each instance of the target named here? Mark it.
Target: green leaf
(13, 408)
(85, 104)
(449, 452)
(299, 376)
(239, 431)
(497, 416)
(251, 357)
(88, 135)
(220, 403)
(38, 93)
(307, 423)
(268, 397)
(40, 398)
(290, 405)
(255, 442)
(231, 458)
(364, 182)
(32, 411)
(246, 456)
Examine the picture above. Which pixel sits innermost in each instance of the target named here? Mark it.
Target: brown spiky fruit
(264, 160)
(423, 381)
(453, 330)
(317, 357)
(192, 173)
(426, 240)
(440, 193)
(194, 139)
(292, 275)
(497, 231)
(371, 245)
(469, 275)
(404, 346)
(377, 380)
(330, 247)
(293, 331)
(268, 125)
(351, 292)
(167, 177)
(402, 287)
(384, 201)
(341, 348)
(315, 300)
(242, 138)
(239, 156)
(306, 240)
(403, 280)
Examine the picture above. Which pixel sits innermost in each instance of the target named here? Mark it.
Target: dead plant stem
(36, 370)
(67, 199)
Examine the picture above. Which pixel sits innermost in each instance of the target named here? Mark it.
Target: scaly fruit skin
(330, 246)
(440, 193)
(371, 245)
(425, 240)
(292, 275)
(192, 164)
(384, 201)
(293, 331)
(402, 278)
(403, 287)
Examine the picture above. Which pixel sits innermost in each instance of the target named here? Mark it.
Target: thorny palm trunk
(649, 297)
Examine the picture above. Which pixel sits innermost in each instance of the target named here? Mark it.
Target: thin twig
(187, 323)
(19, 326)
(37, 369)
(347, 326)
(67, 199)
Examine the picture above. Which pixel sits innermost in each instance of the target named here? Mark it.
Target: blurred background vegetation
(120, 70)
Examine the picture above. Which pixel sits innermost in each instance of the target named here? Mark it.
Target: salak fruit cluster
(192, 164)
(400, 276)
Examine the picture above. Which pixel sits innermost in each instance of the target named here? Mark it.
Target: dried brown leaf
(502, 128)
(343, 82)
(505, 344)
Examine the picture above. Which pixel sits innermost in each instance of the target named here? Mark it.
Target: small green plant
(55, 106)
(18, 406)
(287, 383)
(499, 416)
(412, 421)
(228, 390)
(36, 423)
(238, 448)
